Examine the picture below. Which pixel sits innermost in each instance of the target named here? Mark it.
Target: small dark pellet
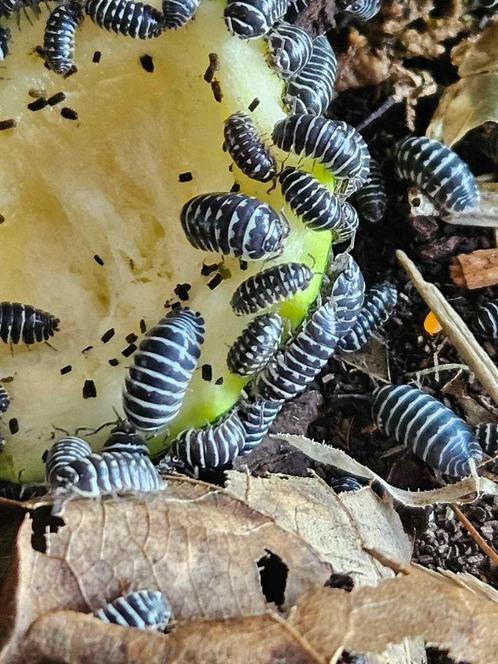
(114, 362)
(89, 390)
(85, 350)
(56, 99)
(254, 104)
(7, 124)
(131, 338)
(38, 104)
(216, 88)
(235, 187)
(206, 270)
(143, 326)
(243, 265)
(219, 381)
(2, 218)
(129, 350)
(66, 369)
(98, 260)
(207, 372)
(69, 113)
(107, 336)
(213, 67)
(96, 57)
(182, 291)
(185, 177)
(13, 425)
(215, 281)
(176, 305)
(147, 63)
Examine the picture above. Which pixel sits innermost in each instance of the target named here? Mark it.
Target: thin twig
(455, 328)
(385, 106)
(440, 367)
(303, 643)
(476, 535)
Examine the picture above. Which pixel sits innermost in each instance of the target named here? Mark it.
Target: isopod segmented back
(4, 399)
(348, 294)
(289, 48)
(178, 12)
(257, 343)
(250, 19)
(247, 149)
(361, 9)
(22, 322)
(142, 609)
(486, 325)
(371, 199)
(257, 416)
(63, 452)
(59, 37)
(4, 42)
(126, 17)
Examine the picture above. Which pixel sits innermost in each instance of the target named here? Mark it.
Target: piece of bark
(476, 270)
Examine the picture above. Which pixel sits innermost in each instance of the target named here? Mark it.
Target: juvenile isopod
(257, 343)
(257, 416)
(22, 322)
(59, 37)
(371, 200)
(142, 609)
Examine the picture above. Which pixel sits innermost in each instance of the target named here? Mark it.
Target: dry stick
(304, 644)
(476, 535)
(455, 328)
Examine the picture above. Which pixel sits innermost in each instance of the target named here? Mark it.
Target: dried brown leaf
(373, 360)
(448, 612)
(194, 542)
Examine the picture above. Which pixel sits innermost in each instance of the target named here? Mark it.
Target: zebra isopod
(487, 436)
(212, 446)
(438, 171)
(124, 438)
(348, 224)
(275, 284)
(178, 12)
(162, 369)
(378, 305)
(361, 9)
(233, 225)
(312, 88)
(309, 199)
(289, 48)
(142, 609)
(4, 42)
(22, 322)
(371, 200)
(257, 416)
(347, 294)
(4, 399)
(59, 36)
(257, 343)
(126, 17)
(487, 321)
(427, 427)
(335, 144)
(63, 452)
(250, 19)
(247, 149)
(346, 484)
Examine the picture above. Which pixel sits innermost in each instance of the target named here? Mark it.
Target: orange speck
(431, 324)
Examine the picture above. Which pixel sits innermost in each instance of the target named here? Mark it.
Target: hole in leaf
(273, 573)
(43, 522)
(342, 581)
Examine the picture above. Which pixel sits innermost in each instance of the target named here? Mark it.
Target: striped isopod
(487, 321)
(289, 48)
(124, 438)
(259, 341)
(438, 171)
(178, 12)
(4, 399)
(334, 144)
(129, 18)
(212, 446)
(22, 322)
(250, 19)
(8, 7)
(4, 42)
(371, 200)
(489, 142)
(309, 199)
(59, 37)
(233, 225)
(344, 484)
(348, 224)
(142, 609)
(362, 9)
(257, 416)
(162, 368)
(302, 359)
(247, 149)
(378, 305)
(20, 492)
(426, 426)
(487, 436)
(347, 294)
(63, 452)
(275, 284)
(311, 89)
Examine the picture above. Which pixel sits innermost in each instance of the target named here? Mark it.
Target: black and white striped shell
(257, 416)
(348, 224)
(438, 172)
(318, 209)
(63, 452)
(212, 446)
(335, 144)
(256, 345)
(371, 199)
(233, 225)
(361, 9)
(289, 48)
(250, 19)
(60, 34)
(312, 88)
(4, 42)
(178, 12)
(247, 149)
(22, 322)
(162, 368)
(378, 305)
(273, 285)
(142, 609)
(346, 484)
(427, 427)
(4, 399)
(126, 17)
(487, 436)
(124, 438)
(486, 325)
(348, 294)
